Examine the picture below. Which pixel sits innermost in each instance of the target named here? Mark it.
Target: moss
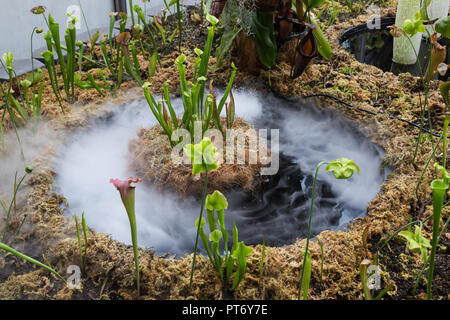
(33, 285)
(151, 159)
(167, 278)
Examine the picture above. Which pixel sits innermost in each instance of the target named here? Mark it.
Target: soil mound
(151, 160)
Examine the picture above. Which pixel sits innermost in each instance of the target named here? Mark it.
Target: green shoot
(80, 248)
(416, 242)
(363, 275)
(29, 259)
(8, 211)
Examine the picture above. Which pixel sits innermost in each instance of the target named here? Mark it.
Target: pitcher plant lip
(38, 9)
(124, 186)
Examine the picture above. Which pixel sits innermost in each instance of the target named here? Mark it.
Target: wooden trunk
(286, 52)
(270, 5)
(248, 56)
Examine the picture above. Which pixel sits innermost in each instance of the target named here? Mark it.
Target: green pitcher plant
(127, 194)
(416, 242)
(342, 168)
(202, 158)
(217, 203)
(198, 106)
(439, 189)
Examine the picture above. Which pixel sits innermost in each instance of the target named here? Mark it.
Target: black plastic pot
(375, 47)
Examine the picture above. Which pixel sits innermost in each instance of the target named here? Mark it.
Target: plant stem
(32, 60)
(79, 241)
(428, 162)
(131, 11)
(132, 219)
(180, 30)
(198, 229)
(428, 260)
(84, 18)
(8, 216)
(29, 259)
(309, 228)
(11, 240)
(425, 105)
(444, 142)
(438, 199)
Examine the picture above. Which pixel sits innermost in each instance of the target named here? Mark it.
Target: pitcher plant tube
(439, 189)
(127, 194)
(197, 107)
(202, 158)
(217, 203)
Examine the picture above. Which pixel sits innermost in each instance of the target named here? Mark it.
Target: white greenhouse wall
(17, 22)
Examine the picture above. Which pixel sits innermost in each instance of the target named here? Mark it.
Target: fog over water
(165, 223)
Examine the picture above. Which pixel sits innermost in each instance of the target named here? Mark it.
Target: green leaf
(35, 76)
(216, 201)
(323, 46)
(443, 27)
(202, 156)
(342, 168)
(152, 64)
(202, 224)
(240, 254)
(94, 38)
(212, 19)
(198, 52)
(413, 26)
(242, 249)
(25, 83)
(424, 9)
(180, 59)
(225, 44)
(161, 30)
(29, 259)
(306, 277)
(235, 238)
(444, 88)
(416, 242)
(445, 175)
(215, 236)
(263, 35)
(8, 57)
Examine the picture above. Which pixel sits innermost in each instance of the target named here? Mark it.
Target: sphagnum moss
(385, 213)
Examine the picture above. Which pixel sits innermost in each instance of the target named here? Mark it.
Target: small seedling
(12, 204)
(416, 242)
(82, 253)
